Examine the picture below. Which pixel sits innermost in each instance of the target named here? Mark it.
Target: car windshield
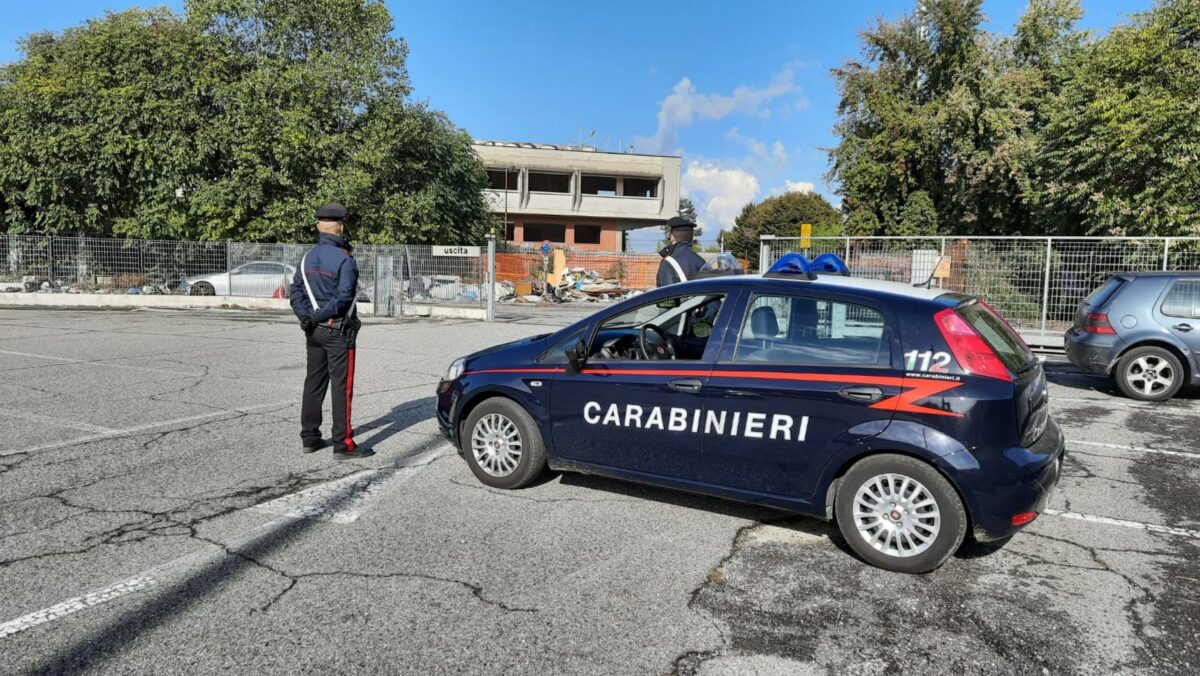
(659, 314)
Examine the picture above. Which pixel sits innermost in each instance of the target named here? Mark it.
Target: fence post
(50, 258)
(1046, 284)
(846, 260)
(1166, 252)
(228, 268)
(764, 249)
(491, 278)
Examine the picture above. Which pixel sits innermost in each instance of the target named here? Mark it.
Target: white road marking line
(329, 506)
(344, 500)
(1135, 449)
(141, 428)
(54, 422)
(1153, 528)
(76, 604)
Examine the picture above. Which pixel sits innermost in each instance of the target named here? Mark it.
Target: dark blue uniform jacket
(689, 260)
(333, 275)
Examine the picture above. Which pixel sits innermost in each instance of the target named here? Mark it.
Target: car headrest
(763, 323)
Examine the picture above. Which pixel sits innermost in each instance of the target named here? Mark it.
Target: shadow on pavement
(174, 599)
(397, 420)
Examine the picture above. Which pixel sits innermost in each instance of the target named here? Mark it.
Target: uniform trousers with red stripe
(330, 366)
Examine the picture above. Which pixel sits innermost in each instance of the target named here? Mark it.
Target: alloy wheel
(897, 515)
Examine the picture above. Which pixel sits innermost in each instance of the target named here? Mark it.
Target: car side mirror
(576, 357)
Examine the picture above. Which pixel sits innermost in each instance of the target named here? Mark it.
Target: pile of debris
(581, 284)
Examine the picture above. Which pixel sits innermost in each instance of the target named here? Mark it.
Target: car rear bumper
(1033, 475)
(1094, 353)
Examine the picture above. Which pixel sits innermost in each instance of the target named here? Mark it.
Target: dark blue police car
(910, 415)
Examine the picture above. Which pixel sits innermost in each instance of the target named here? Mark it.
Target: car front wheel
(502, 444)
(1149, 374)
(900, 514)
(202, 289)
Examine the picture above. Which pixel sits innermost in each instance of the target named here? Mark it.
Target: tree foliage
(1046, 131)
(232, 121)
(782, 216)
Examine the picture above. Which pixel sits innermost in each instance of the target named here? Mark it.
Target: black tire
(1166, 373)
(491, 465)
(202, 289)
(917, 557)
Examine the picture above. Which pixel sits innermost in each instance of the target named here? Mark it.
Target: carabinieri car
(912, 416)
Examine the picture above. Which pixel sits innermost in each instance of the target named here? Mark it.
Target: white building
(578, 196)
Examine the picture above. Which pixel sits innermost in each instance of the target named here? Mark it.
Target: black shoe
(313, 446)
(347, 454)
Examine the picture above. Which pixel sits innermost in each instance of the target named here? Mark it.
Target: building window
(545, 232)
(641, 187)
(587, 234)
(599, 185)
(549, 182)
(510, 232)
(500, 179)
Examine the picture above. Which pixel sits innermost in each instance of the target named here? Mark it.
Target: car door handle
(1183, 327)
(862, 393)
(685, 385)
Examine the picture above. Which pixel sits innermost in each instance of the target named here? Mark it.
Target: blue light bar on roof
(832, 264)
(793, 264)
(796, 264)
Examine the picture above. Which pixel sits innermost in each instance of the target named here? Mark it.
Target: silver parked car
(256, 278)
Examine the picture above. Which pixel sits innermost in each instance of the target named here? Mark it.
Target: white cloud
(718, 192)
(684, 105)
(793, 186)
(775, 155)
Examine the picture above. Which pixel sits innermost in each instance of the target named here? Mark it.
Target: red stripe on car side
(915, 389)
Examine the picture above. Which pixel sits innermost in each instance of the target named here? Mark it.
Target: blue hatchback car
(1141, 329)
(911, 416)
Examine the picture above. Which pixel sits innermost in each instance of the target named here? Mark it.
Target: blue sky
(741, 90)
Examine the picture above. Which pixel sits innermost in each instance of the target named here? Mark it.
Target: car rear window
(998, 335)
(1104, 293)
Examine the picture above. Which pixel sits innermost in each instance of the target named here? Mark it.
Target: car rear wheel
(1149, 373)
(502, 444)
(202, 289)
(900, 514)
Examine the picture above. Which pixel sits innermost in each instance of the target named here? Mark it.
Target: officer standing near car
(679, 262)
(322, 296)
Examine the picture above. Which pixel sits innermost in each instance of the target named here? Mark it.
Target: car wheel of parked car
(202, 289)
(900, 514)
(502, 444)
(1149, 373)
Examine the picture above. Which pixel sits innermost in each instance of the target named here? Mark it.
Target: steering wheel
(655, 344)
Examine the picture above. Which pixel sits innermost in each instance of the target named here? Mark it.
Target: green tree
(1120, 147)
(919, 218)
(781, 215)
(231, 122)
(939, 106)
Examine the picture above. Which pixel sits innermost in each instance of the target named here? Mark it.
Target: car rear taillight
(973, 354)
(1097, 322)
(1023, 518)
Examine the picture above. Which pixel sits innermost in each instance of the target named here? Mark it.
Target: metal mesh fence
(1034, 282)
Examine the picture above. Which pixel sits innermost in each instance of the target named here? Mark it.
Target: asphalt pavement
(156, 515)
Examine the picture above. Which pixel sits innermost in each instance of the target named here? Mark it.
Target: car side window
(783, 329)
(1183, 300)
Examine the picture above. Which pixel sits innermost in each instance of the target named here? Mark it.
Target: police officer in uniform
(679, 262)
(322, 296)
